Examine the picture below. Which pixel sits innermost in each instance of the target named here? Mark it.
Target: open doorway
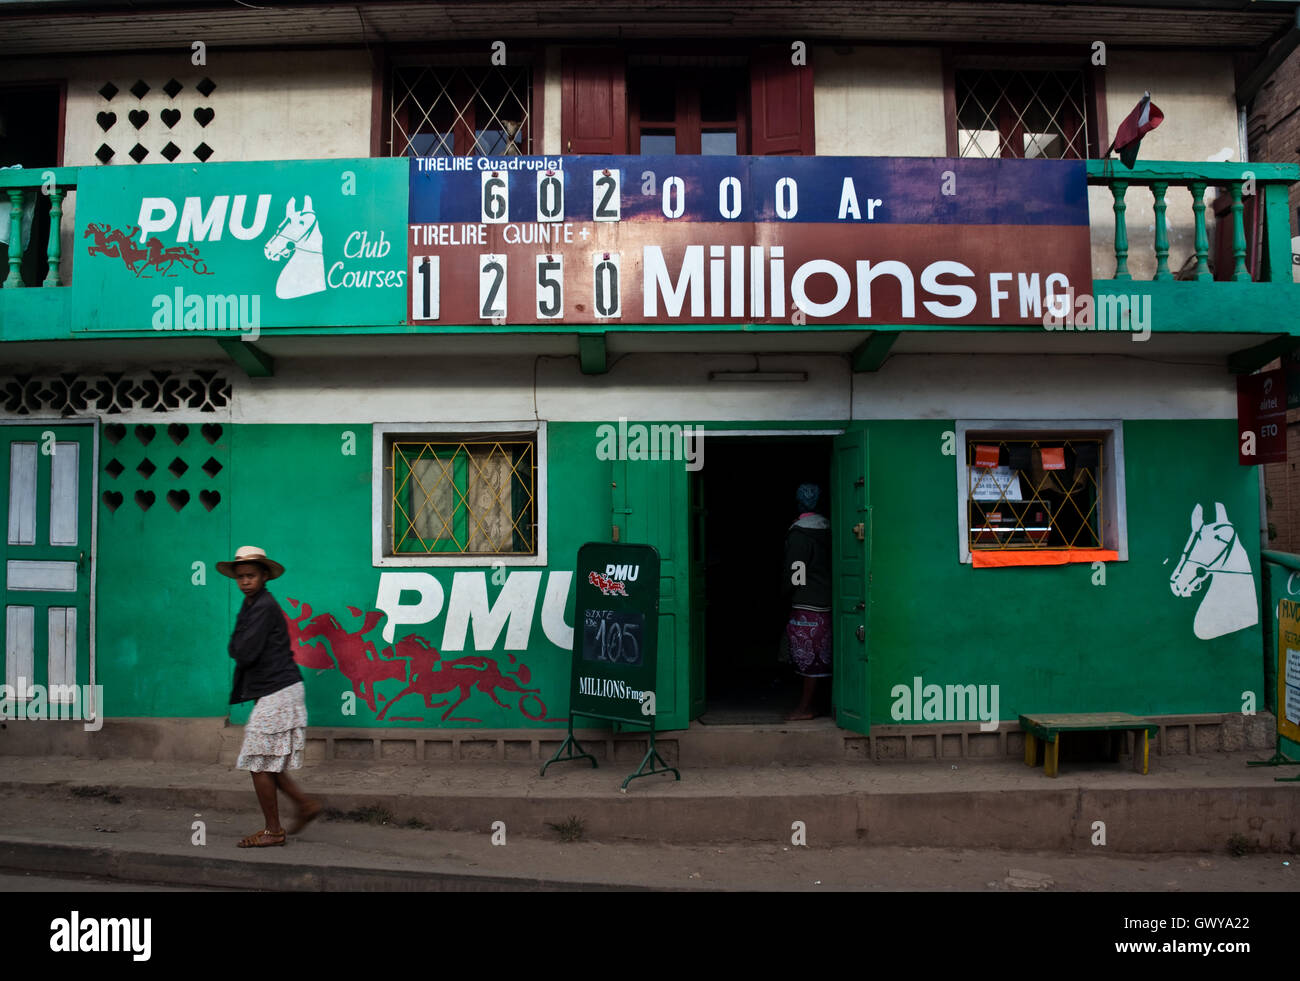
(745, 502)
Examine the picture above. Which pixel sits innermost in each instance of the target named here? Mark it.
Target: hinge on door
(861, 531)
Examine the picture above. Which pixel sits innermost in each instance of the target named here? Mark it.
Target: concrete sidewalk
(134, 819)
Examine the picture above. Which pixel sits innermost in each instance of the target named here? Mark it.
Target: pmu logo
(297, 240)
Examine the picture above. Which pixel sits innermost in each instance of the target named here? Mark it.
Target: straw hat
(251, 553)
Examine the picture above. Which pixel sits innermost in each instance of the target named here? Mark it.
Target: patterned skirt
(810, 642)
(276, 732)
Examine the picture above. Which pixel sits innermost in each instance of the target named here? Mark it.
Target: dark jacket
(808, 541)
(260, 646)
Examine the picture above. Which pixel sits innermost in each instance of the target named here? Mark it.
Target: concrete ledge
(214, 740)
(1050, 818)
(199, 740)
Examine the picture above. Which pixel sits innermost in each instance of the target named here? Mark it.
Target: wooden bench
(1050, 728)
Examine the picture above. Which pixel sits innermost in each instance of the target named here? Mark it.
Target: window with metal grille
(468, 110)
(470, 494)
(1034, 493)
(1023, 113)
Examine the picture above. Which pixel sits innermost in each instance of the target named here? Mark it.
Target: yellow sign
(1288, 669)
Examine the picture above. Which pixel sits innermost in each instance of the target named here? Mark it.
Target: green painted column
(1239, 271)
(1117, 190)
(54, 253)
(15, 277)
(1202, 239)
(1158, 188)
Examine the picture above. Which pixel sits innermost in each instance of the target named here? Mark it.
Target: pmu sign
(1261, 418)
(813, 241)
(239, 246)
(615, 632)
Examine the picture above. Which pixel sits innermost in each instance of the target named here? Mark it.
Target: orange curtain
(990, 559)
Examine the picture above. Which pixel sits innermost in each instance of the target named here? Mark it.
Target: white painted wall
(879, 102)
(677, 388)
(551, 112)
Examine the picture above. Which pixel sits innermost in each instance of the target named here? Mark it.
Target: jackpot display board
(691, 240)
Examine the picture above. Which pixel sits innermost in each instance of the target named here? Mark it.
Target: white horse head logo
(299, 239)
(1214, 553)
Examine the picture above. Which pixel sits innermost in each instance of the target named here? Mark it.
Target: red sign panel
(1261, 418)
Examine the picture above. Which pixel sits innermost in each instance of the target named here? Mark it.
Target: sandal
(262, 839)
(305, 816)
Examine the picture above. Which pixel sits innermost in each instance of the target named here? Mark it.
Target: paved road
(18, 882)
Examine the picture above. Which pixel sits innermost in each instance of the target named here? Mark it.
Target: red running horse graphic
(464, 673)
(356, 656)
(315, 638)
(121, 245)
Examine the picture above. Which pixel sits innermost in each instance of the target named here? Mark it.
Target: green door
(652, 507)
(48, 501)
(851, 575)
(698, 604)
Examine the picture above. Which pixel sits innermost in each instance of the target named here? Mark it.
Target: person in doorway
(807, 584)
(276, 731)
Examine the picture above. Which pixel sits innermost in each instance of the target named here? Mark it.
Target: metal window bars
(462, 496)
(460, 111)
(1039, 494)
(1015, 113)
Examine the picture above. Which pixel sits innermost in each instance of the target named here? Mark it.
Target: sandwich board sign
(615, 643)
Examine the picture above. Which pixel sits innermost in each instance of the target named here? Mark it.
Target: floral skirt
(810, 642)
(276, 732)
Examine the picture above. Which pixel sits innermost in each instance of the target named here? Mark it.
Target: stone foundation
(214, 740)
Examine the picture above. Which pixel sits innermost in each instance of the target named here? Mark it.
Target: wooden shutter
(593, 101)
(781, 104)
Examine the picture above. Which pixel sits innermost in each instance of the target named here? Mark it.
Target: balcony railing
(1267, 183)
(20, 186)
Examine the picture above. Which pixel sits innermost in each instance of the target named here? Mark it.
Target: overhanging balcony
(1203, 275)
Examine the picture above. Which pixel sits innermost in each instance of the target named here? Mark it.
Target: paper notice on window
(993, 483)
(1292, 685)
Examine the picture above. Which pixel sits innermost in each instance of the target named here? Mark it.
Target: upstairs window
(753, 101)
(688, 110)
(445, 111)
(1024, 113)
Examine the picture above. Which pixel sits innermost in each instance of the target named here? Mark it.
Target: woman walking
(276, 731)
